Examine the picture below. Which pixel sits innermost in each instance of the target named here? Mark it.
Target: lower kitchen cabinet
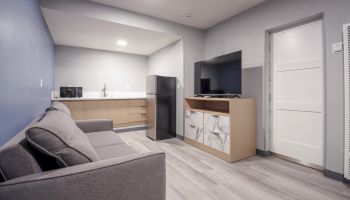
(123, 112)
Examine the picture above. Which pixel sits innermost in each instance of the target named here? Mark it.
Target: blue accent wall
(26, 56)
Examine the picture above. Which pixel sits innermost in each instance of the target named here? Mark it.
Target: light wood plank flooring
(193, 174)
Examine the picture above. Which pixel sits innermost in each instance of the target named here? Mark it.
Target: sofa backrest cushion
(15, 162)
(57, 135)
(45, 162)
(55, 105)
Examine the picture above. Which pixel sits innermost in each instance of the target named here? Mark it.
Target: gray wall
(168, 62)
(252, 87)
(247, 32)
(91, 69)
(26, 56)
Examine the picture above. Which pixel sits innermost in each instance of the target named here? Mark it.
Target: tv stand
(235, 96)
(224, 127)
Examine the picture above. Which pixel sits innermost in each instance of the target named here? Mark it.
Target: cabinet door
(76, 108)
(109, 107)
(105, 110)
(92, 109)
(123, 111)
(217, 132)
(194, 125)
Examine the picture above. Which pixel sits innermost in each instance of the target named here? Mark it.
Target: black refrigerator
(161, 107)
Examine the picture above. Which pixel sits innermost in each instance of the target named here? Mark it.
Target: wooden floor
(193, 174)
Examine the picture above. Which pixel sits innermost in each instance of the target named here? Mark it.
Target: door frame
(268, 89)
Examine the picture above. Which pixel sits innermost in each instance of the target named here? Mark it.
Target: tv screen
(219, 76)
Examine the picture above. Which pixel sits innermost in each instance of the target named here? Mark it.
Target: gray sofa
(117, 171)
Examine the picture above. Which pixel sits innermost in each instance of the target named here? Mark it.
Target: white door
(297, 93)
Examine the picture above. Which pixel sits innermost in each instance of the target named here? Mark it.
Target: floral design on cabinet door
(217, 132)
(194, 125)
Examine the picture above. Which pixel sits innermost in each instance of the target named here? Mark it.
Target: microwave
(71, 92)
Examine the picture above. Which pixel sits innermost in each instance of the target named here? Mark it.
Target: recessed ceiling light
(122, 43)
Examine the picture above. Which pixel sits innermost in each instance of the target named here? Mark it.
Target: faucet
(104, 91)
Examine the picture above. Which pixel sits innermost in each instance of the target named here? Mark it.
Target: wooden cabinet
(122, 109)
(221, 126)
(92, 110)
(123, 112)
(76, 108)
(137, 111)
(137, 103)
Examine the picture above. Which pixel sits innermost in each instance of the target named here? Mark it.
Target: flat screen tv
(220, 76)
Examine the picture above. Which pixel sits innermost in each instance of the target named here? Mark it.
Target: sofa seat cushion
(57, 135)
(104, 138)
(113, 151)
(15, 162)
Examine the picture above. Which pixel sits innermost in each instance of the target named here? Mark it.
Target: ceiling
(196, 13)
(81, 31)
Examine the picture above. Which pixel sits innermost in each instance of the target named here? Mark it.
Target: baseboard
(263, 153)
(334, 175)
(129, 129)
(181, 137)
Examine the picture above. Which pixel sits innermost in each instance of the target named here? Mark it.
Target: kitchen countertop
(97, 98)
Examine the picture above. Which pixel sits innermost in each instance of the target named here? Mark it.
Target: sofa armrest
(139, 176)
(95, 125)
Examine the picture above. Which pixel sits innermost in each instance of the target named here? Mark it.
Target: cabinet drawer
(137, 110)
(137, 117)
(137, 102)
(194, 125)
(217, 132)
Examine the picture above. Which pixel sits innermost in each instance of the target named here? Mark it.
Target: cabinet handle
(191, 111)
(216, 116)
(215, 133)
(192, 126)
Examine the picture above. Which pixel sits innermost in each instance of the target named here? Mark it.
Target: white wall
(91, 69)
(169, 62)
(193, 39)
(247, 32)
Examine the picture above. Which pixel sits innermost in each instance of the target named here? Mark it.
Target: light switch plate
(337, 47)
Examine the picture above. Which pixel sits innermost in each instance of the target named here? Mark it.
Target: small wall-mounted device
(337, 47)
(71, 92)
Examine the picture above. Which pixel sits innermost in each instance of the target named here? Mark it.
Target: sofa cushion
(55, 105)
(45, 162)
(58, 136)
(104, 138)
(113, 151)
(15, 162)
